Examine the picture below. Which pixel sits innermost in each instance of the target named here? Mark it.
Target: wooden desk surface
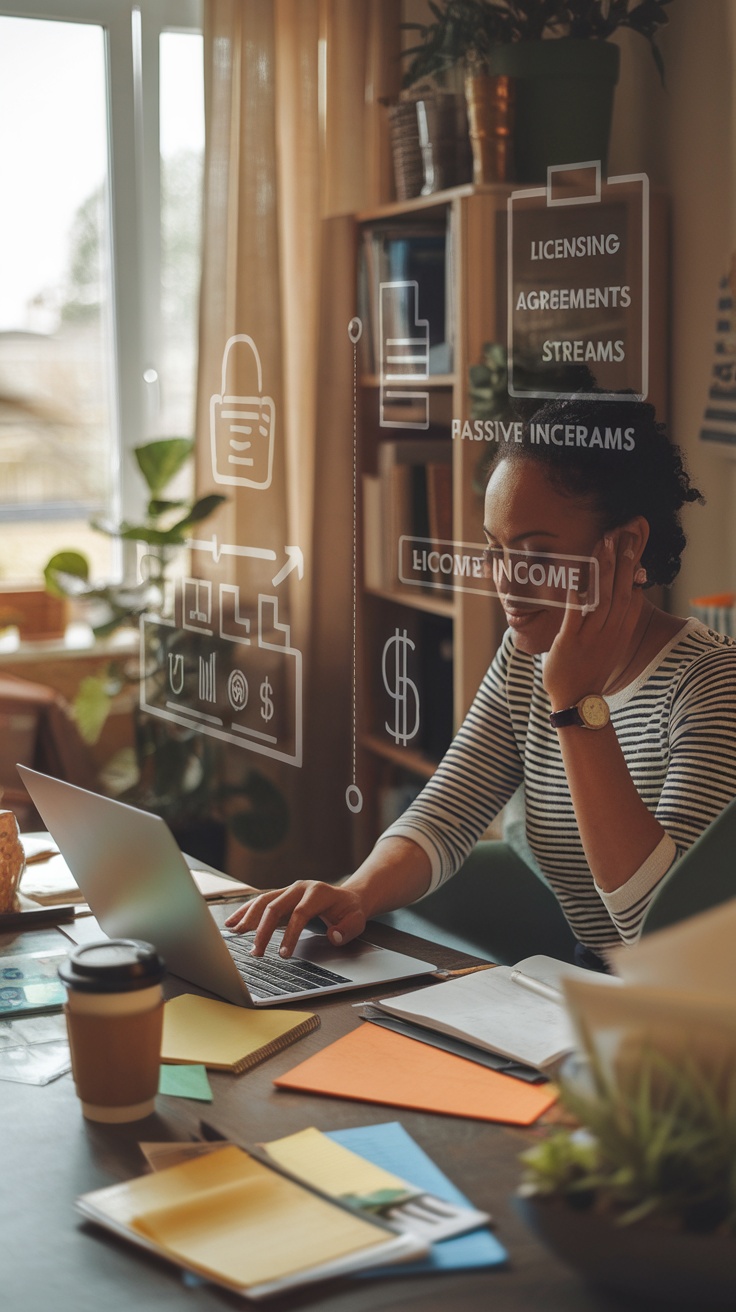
(51, 1260)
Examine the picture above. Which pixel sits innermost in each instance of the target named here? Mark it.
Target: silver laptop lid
(136, 881)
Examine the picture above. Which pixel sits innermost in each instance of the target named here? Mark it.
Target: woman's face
(525, 513)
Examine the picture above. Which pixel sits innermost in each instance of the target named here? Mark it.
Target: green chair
(704, 877)
(495, 907)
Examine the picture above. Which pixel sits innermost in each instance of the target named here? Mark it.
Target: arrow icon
(294, 555)
(294, 560)
(219, 549)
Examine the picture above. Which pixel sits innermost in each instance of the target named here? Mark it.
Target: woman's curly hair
(650, 479)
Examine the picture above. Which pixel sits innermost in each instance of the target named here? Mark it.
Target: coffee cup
(114, 1015)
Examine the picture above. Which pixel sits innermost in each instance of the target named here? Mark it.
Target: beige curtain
(296, 142)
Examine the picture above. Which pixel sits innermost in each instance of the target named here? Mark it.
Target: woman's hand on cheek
(592, 644)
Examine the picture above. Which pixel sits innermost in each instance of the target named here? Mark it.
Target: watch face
(594, 712)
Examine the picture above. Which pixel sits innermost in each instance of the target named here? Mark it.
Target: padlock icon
(241, 427)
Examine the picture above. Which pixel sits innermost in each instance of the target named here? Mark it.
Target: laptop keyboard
(272, 976)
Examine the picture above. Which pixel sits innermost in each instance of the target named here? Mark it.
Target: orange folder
(376, 1065)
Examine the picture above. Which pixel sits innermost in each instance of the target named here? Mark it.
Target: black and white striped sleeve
(700, 781)
(480, 771)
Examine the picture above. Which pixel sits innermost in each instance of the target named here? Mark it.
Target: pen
(536, 986)
(466, 970)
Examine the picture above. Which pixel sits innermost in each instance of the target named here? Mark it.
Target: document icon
(242, 426)
(404, 354)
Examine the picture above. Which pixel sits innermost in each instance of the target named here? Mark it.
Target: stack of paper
(375, 1065)
(229, 1218)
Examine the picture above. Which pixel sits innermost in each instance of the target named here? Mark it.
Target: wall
(684, 137)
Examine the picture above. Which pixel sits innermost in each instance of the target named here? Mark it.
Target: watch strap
(561, 719)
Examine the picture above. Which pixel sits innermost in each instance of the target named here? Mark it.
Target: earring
(640, 576)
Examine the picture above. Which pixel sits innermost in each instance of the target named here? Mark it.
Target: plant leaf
(157, 507)
(200, 510)
(160, 461)
(91, 706)
(70, 563)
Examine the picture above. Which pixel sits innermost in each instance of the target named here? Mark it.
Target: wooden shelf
(431, 605)
(434, 380)
(435, 201)
(414, 762)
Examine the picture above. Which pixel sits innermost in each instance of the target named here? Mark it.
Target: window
(101, 152)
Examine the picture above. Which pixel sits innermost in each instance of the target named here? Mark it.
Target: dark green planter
(564, 101)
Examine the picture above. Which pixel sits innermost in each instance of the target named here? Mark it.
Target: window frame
(131, 33)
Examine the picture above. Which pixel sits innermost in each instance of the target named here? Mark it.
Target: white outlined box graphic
(241, 684)
(404, 341)
(547, 578)
(242, 426)
(578, 285)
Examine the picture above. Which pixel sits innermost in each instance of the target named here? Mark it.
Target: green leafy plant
(164, 530)
(172, 769)
(658, 1142)
(465, 31)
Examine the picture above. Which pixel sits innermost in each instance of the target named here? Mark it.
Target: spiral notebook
(205, 1032)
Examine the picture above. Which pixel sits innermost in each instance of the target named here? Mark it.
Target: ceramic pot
(443, 140)
(653, 1266)
(564, 101)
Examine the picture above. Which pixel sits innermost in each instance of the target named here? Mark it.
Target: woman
(640, 754)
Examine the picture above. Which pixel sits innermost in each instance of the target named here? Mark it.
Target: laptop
(133, 875)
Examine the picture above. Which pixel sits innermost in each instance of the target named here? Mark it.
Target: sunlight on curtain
(295, 144)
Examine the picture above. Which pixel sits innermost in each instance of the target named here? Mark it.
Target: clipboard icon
(578, 284)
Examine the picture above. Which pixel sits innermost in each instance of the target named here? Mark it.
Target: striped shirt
(676, 724)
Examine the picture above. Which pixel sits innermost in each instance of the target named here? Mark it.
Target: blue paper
(391, 1147)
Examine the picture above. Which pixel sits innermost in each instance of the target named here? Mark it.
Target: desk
(51, 1262)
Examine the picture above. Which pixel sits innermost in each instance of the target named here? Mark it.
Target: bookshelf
(403, 626)
(469, 227)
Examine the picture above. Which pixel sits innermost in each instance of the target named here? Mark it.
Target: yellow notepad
(334, 1170)
(232, 1219)
(227, 1038)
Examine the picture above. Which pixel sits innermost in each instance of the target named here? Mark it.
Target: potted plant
(171, 770)
(642, 1197)
(557, 51)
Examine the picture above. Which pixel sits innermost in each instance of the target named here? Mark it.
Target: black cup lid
(114, 965)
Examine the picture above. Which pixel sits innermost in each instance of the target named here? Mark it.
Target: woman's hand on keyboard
(339, 907)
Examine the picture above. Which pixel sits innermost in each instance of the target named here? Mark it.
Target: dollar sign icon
(399, 686)
(266, 698)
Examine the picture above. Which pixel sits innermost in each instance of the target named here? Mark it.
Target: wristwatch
(591, 712)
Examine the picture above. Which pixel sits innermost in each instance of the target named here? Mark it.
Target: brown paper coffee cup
(114, 1016)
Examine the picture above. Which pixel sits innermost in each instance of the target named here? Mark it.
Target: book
(228, 1217)
(390, 1148)
(372, 532)
(439, 501)
(402, 254)
(203, 1031)
(404, 494)
(371, 1064)
(517, 1011)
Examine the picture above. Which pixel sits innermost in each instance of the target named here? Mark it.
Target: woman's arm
(396, 872)
(617, 830)
(478, 774)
